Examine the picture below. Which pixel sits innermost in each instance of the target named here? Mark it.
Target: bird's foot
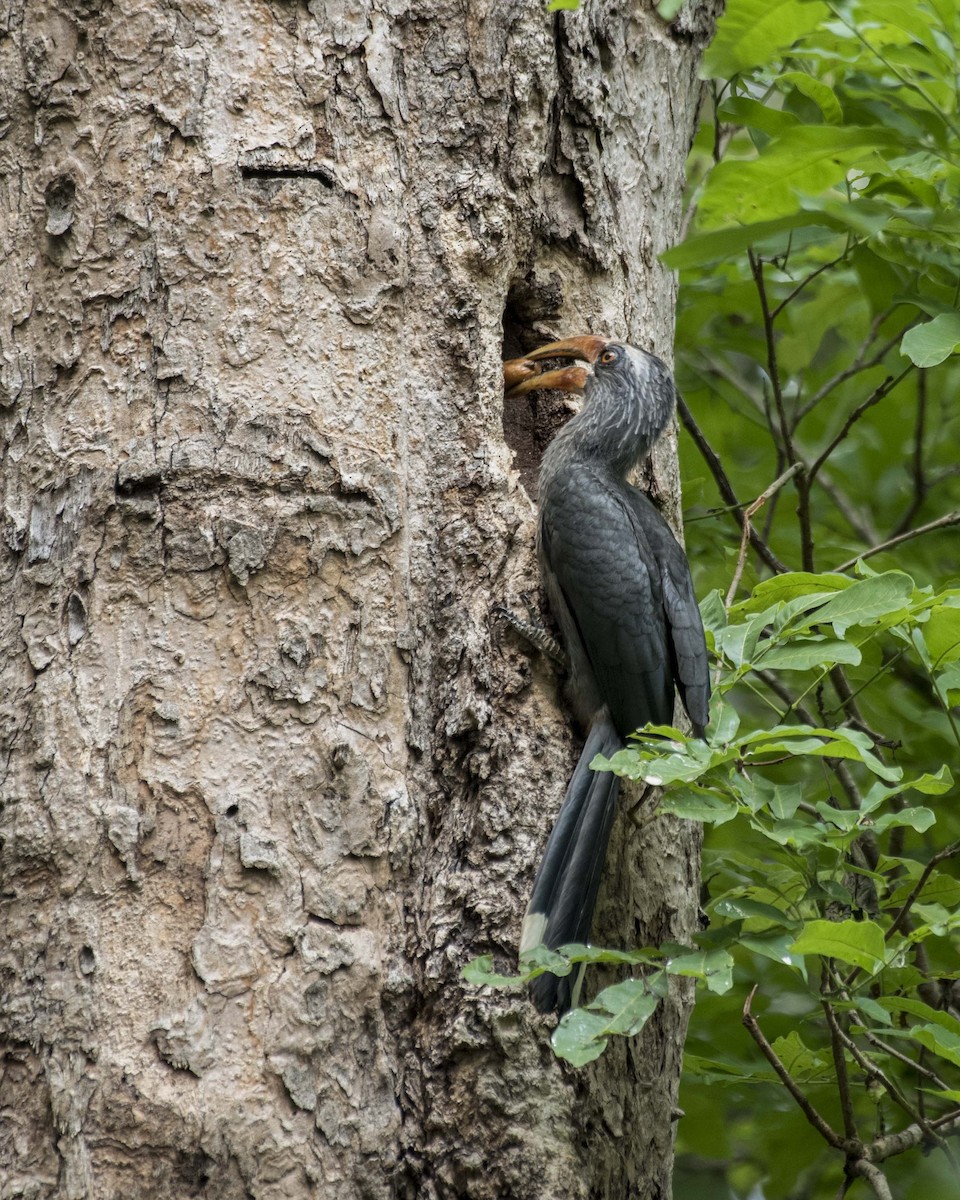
(534, 633)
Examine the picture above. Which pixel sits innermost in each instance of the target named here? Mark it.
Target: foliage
(817, 339)
(817, 332)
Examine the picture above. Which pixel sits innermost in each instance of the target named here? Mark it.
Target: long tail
(565, 889)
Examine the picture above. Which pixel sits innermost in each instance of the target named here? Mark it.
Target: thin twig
(725, 487)
(820, 1125)
(939, 857)
(952, 518)
(840, 1067)
(860, 363)
(773, 367)
(917, 466)
(803, 283)
(875, 396)
(748, 514)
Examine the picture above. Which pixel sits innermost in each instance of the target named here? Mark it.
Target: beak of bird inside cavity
(522, 375)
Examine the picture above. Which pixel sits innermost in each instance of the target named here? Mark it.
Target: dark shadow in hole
(529, 422)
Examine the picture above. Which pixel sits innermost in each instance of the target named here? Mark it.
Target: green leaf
(919, 819)
(934, 341)
(928, 344)
(866, 601)
(719, 244)
(668, 9)
(942, 635)
(795, 585)
(629, 1006)
(804, 160)
(859, 943)
(561, 5)
(713, 967)
(622, 1009)
(916, 1008)
(743, 906)
(697, 805)
(945, 1043)
(712, 612)
(480, 972)
(823, 96)
(753, 31)
(802, 1063)
(580, 1036)
(803, 654)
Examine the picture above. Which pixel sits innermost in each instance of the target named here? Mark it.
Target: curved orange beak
(520, 375)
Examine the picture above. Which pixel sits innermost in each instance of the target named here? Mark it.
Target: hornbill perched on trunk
(620, 589)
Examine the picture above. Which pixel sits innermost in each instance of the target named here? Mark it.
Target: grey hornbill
(620, 589)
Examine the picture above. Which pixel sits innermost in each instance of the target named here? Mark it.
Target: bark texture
(271, 774)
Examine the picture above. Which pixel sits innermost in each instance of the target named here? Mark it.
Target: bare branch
(725, 487)
(917, 467)
(939, 857)
(840, 1066)
(875, 396)
(803, 283)
(952, 518)
(749, 512)
(820, 1125)
(874, 1177)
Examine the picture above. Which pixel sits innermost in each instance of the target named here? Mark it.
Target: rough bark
(271, 773)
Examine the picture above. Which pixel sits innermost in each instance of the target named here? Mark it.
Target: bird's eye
(608, 356)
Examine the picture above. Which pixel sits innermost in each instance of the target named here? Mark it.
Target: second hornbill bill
(620, 589)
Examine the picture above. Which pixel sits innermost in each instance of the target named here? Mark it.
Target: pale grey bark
(270, 772)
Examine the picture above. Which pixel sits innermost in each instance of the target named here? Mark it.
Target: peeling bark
(271, 773)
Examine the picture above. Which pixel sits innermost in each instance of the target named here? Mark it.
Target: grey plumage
(619, 586)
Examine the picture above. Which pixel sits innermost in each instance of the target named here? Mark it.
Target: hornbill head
(630, 394)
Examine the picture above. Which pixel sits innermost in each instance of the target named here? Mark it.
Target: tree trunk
(272, 772)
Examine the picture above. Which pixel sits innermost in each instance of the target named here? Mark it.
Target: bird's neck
(614, 436)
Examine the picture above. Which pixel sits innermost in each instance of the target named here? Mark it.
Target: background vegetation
(817, 332)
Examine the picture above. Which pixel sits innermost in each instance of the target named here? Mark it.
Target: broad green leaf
(697, 805)
(703, 248)
(945, 1043)
(713, 967)
(777, 949)
(927, 785)
(752, 32)
(743, 906)
(712, 612)
(859, 943)
(942, 635)
(795, 585)
(744, 110)
(823, 96)
(804, 654)
(803, 1063)
(806, 159)
(622, 1009)
(933, 341)
(627, 1005)
(916, 1008)
(580, 1037)
(866, 600)
(919, 819)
